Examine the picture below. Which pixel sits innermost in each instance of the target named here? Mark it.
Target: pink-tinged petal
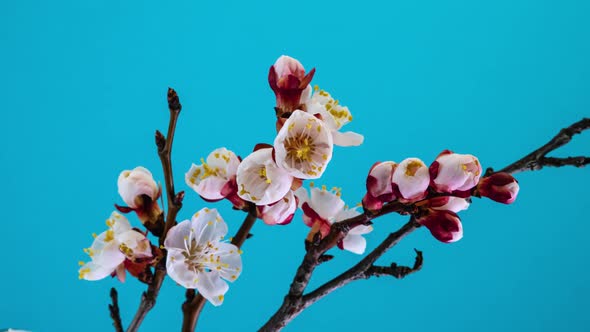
(302, 196)
(135, 183)
(280, 212)
(210, 285)
(134, 245)
(354, 243)
(118, 223)
(412, 179)
(260, 180)
(303, 146)
(310, 216)
(208, 226)
(344, 214)
(500, 187)
(120, 273)
(225, 161)
(326, 203)
(178, 270)
(286, 65)
(348, 138)
(92, 271)
(371, 203)
(449, 203)
(444, 225)
(379, 179)
(207, 184)
(456, 172)
(175, 238)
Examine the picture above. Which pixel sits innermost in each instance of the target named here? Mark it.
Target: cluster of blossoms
(438, 192)
(197, 256)
(308, 125)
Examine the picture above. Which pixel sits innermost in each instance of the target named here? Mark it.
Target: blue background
(83, 87)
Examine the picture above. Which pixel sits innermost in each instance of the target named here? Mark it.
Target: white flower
(213, 179)
(324, 208)
(412, 179)
(334, 115)
(455, 172)
(281, 212)
(198, 259)
(110, 249)
(303, 146)
(260, 180)
(136, 183)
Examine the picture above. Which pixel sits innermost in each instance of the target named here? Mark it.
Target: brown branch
(537, 159)
(114, 311)
(194, 304)
(164, 144)
(295, 301)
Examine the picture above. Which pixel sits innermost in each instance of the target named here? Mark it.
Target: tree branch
(295, 301)
(537, 159)
(114, 310)
(194, 304)
(164, 144)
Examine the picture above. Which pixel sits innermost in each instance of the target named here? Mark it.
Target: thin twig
(164, 144)
(194, 304)
(295, 302)
(537, 159)
(114, 310)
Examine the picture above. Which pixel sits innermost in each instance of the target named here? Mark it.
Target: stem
(164, 144)
(114, 310)
(194, 304)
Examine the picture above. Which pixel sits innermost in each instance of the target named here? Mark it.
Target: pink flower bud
(379, 189)
(500, 187)
(449, 203)
(288, 80)
(455, 172)
(411, 179)
(444, 225)
(280, 212)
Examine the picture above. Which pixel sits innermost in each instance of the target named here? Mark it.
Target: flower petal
(177, 269)
(354, 243)
(137, 243)
(118, 223)
(280, 212)
(175, 238)
(210, 285)
(326, 203)
(92, 271)
(230, 261)
(348, 138)
(412, 178)
(137, 182)
(260, 180)
(209, 186)
(208, 226)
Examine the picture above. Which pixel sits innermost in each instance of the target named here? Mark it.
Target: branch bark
(114, 310)
(295, 302)
(164, 144)
(194, 304)
(537, 159)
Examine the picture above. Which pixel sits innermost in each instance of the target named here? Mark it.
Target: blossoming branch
(269, 184)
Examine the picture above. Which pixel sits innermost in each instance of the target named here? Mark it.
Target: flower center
(471, 167)
(413, 167)
(262, 174)
(299, 148)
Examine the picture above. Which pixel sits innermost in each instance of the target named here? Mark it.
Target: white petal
(136, 182)
(210, 285)
(119, 223)
(354, 243)
(137, 242)
(208, 186)
(347, 139)
(326, 203)
(225, 160)
(208, 226)
(454, 204)
(361, 229)
(260, 180)
(230, 260)
(178, 270)
(346, 214)
(303, 146)
(280, 211)
(302, 196)
(176, 235)
(92, 271)
(382, 174)
(412, 178)
(106, 253)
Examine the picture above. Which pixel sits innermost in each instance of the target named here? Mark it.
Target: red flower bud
(288, 80)
(500, 187)
(444, 225)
